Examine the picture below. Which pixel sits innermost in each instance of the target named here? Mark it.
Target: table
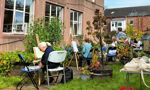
(133, 72)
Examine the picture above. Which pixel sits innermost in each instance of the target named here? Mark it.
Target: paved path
(76, 74)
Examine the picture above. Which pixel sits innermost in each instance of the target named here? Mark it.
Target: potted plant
(85, 74)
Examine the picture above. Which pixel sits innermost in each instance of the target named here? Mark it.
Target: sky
(125, 3)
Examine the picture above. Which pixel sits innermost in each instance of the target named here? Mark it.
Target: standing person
(86, 49)
(47, 49)
(120, 35)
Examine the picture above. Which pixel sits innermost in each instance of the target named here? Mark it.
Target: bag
(143, 66)
(132, 65)
(68, 75)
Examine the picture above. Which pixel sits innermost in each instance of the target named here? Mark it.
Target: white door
(114, 25)
(118, 23)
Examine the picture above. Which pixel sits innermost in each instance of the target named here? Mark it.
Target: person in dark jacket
(47, 49)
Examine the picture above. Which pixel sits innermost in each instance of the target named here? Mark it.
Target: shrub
(48, 31)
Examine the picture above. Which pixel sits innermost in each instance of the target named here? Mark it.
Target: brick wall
(139, 23)
(84, 6)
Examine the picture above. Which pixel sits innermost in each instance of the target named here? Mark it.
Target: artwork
(74, 46)
(37, 52)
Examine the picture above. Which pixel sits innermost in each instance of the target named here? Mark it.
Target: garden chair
(30, 74)
(111, 53)
(56, 57)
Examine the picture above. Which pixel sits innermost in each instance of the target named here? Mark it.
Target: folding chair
(112, 52)
(30, 74)
(56, 57)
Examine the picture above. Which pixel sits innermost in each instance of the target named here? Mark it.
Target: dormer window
(112, 12)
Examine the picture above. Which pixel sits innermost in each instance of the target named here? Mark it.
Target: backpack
(68, 75)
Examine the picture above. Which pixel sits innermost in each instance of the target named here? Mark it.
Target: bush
(48, 31)
(8, 58)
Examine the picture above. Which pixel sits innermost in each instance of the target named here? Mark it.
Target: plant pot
(85, 77)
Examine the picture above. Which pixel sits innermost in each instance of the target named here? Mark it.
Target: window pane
(47, 10)
(119, 24)
(9, 4)
(59, 12)
(71, 27)
(79, 17)
(79, 28)
(71, 15)
(112, 23)
(8, 17)
(53, 11)
(27, 18)
(18, 17)
(75, 28)
(131, 21)
(18, 22)
(29, 6)
(19, 4)
(75, 15)
(115, 24)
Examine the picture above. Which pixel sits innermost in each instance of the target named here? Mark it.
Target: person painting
(47, 49)
(137, 45)
(86, 49)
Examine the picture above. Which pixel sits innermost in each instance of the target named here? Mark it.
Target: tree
(98, 33)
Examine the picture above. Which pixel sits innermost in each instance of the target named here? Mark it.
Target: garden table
(133, 72)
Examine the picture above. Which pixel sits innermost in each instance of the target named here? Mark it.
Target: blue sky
(125, 3)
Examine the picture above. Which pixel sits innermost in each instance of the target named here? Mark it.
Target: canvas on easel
(37, 52)
(75, 49)
(74, 44)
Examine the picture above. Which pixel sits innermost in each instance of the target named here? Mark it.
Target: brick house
(139, 17)
(15, 16)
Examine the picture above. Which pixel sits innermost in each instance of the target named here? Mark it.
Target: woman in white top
(114, 43)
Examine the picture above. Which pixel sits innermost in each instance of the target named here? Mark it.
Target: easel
(37, 40)
(76, 55)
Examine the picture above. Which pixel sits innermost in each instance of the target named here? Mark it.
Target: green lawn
(116, 82)
(8, 81)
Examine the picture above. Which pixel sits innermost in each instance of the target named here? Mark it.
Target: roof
(127, 11)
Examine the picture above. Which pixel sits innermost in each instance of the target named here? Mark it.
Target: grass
(115, 83)
(8, 81)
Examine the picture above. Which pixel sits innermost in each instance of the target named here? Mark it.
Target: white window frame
(50, 17)
(23, 24)
(79, 32)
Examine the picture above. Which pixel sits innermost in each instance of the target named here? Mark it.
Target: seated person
(134, 42)
(46, 48)
(86, 49)
(138, 45)
(114, 43)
